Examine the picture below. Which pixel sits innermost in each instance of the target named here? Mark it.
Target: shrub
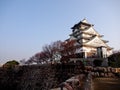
(11, 64)
(97, 62)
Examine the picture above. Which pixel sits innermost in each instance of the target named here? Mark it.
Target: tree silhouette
(114, 59)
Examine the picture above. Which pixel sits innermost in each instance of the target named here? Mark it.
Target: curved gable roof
(97, 42)
(91, 30)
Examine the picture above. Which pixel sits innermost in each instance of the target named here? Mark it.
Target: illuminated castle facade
(89, 42)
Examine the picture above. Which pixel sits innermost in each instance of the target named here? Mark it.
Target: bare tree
(41, 57)
(51, 49)
(69, 50)
(69, 47)
(22, 62)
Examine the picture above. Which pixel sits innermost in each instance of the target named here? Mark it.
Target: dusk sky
(27, 25)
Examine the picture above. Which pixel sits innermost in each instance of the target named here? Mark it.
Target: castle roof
(83, 22)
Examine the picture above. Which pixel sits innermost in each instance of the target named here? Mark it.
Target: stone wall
(34, 77)
(45, 77)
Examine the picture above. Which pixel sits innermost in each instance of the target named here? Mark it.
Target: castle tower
(89, 41)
